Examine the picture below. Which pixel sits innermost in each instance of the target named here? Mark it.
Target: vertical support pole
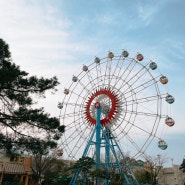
(98, 140)
(107, 155)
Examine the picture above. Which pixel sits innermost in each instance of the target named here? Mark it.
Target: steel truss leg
(105, 139)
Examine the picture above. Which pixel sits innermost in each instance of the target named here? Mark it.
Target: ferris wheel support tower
(109, 144)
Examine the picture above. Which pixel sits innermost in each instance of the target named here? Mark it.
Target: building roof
(12, 168)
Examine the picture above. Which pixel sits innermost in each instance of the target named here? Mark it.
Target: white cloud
(36, 37)
(146, 12)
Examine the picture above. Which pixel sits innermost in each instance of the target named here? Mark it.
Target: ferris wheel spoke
(84, 87)
(144, 113)
(130, 125)
(76, 147)
(117, 68)
(76, 94)
(136, 76)
(70, 124)
(91, 80)
(108, 72)
(124, 74)
(72, 114)
(132, 142)
(128, 70)
(140, 149)
(75, 132)
(71, 104)
(99, 75)
(142, 100)
(132, 77)
(141, 87)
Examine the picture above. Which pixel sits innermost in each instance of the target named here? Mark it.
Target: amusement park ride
(114, 105)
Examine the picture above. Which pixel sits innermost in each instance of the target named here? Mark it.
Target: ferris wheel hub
(105, 98)
(97, 105)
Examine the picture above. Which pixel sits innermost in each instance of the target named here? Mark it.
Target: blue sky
(48, 38)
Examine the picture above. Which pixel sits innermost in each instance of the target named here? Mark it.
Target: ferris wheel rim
(95, 90)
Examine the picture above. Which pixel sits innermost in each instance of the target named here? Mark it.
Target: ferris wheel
(130, 93)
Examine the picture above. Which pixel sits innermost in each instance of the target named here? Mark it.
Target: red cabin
(66, 91)
(169, 121)
(139, 57)
(85, 68)
(111, 55)
(164, 80)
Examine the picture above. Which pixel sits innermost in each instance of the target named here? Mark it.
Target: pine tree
(20, 123)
